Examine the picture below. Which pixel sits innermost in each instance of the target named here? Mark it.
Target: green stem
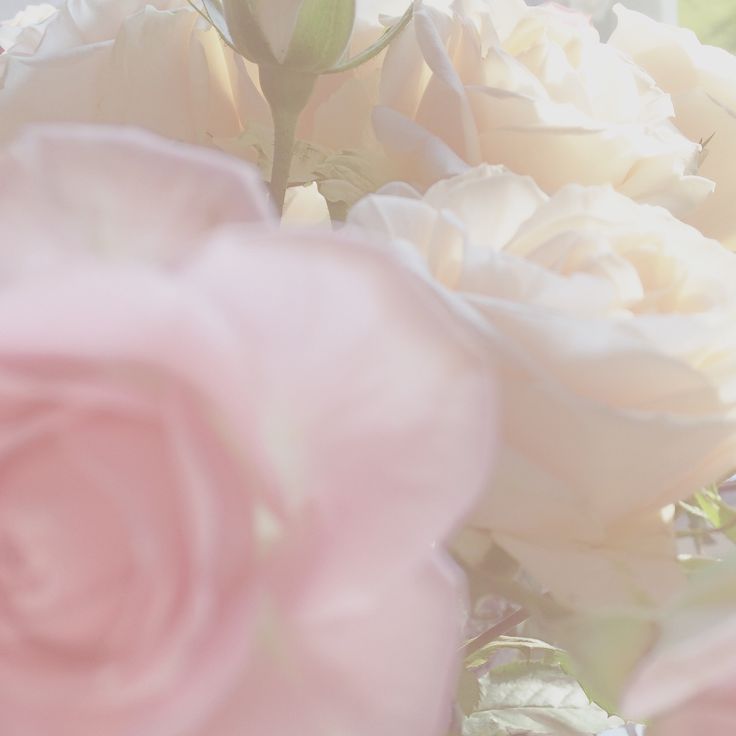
(287, 91)
(283, 151)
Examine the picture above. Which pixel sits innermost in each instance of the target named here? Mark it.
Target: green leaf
(709, 502)
(520, 699)
(255, 144)
(531, 649)
(375, 48)
(691, 510)
(694, 564)
(709, 597)
(468, 692)
(604, 648)
(343, 178)
(720, 514)
(348, 176)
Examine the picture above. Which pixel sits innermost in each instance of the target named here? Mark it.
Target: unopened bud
(306, 35)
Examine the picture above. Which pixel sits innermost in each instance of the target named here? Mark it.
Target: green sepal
(322, 34)
(375, 48)
(303, 54)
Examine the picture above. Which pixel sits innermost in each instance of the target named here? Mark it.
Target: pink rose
(226, 451)
(684, 684)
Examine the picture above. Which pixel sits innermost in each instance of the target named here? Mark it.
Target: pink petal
(375, 414)
(387, 666)
(119, 193)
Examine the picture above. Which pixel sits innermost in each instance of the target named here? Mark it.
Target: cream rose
(700, 80)
(219, 514)
(160, 65)
(613, 330)
(534, 89)
(150, 63)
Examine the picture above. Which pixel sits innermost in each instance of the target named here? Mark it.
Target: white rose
(702, 82)
(150, 63)
(534, 89)
(159, 65)
(613, 330)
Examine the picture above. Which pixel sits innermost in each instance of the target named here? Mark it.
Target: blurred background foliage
(713, 20)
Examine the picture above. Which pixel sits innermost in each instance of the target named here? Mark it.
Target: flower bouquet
(367, 368)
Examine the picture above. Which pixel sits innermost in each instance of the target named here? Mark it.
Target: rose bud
(293, 42)
(308, 35)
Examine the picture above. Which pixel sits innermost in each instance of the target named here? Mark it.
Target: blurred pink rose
(226, 451)
(686, 682)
